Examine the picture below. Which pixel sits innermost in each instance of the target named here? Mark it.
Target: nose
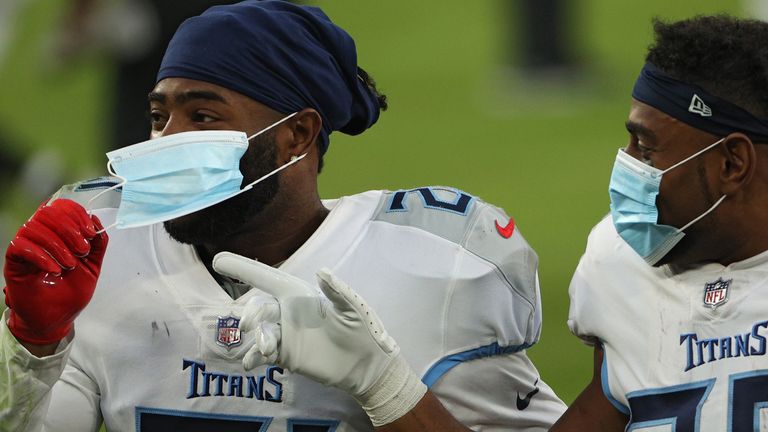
(632, 151)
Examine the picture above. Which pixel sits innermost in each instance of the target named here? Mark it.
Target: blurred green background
(459, 115)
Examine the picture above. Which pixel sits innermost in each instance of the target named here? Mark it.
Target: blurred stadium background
(459, 115)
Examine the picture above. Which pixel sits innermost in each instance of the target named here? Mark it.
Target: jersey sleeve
(47, 394)
(484, 270)
(493, 308)
(499, 393)
(495, 305)
(494, 316)
(513, 301)
(26, 381)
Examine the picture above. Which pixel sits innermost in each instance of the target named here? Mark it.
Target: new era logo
(699, 107)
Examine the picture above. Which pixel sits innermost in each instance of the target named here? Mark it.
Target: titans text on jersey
(204, 383)
(706, 350)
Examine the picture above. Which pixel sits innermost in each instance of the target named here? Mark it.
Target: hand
(51, 268)
(335, 339)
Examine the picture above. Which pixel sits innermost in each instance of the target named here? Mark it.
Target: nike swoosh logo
(524, 402)
(506, 231)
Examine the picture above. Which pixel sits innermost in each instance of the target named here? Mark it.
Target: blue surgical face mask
(633, 189)
(175, 175)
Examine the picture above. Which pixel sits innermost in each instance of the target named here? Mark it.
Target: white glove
(337, 341)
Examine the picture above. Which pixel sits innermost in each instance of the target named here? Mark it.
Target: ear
(738, 166)
(303, 129)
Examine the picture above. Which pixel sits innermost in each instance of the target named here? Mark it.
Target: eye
(202, 117)
(645, 153)
(157, 119)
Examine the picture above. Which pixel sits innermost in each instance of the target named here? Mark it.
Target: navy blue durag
(695, 107)
(285, 56)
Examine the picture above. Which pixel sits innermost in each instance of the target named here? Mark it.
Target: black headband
(696, 107)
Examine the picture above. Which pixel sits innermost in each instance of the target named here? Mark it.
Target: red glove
(51, 268)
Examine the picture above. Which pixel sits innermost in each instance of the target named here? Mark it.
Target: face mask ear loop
(271, 126)
(275, 171)
(714, 206)
(693, 156)
(284, 166)
(88, 204)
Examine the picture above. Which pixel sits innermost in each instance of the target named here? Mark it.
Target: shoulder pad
(495, 238)
(84, 191)
(482, 229)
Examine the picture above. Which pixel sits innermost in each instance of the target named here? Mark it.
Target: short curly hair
(726, 56)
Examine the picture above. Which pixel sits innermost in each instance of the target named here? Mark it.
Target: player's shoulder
(440, 210)
(606, 249)
(95, 193)
(445, 212)
(608, 274)
(603, 233)
(478, 227)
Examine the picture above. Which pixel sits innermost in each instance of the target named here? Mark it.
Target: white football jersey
(156, 350)
(683, 352)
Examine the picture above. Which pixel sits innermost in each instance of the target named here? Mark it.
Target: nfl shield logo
(227, 331)
(716, 293)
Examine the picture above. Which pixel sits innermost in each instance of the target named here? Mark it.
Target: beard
(228, 217)
(694, 248)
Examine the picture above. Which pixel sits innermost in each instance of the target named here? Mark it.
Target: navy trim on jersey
(295, 424)
(262, 422)
(442, 366)
(742, 414)
(607, 390)
(669, 406)
(106, 184)
(460, 205)
(396, 202)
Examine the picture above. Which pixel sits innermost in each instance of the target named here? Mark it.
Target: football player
(671, 290)
(223, 299)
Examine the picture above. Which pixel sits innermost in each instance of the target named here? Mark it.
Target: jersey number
(156, 420)
(680, 406)
(460, 204)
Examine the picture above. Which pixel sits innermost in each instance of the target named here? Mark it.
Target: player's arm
(51, 268)
(592, 411)
(428, 415)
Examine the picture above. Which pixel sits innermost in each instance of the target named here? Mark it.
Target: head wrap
(285, 56)
(695, 106)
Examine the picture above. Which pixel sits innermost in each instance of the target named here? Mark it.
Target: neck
(743, 234)
(750, 246)
(274, 235)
